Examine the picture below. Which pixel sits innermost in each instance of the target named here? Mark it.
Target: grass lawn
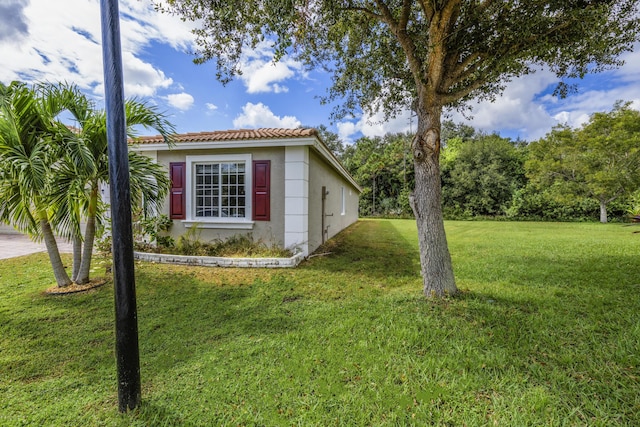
(545, 332)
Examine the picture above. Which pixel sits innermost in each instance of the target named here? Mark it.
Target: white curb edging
(209, 261)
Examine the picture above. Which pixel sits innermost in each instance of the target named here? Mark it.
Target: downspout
(324, 199)
(325, 228)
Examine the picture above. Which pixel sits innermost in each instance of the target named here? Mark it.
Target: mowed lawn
(546, 331)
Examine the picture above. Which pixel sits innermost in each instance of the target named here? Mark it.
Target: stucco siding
(270, 232)
(338, 216)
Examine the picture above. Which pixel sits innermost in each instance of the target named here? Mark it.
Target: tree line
(588, 173)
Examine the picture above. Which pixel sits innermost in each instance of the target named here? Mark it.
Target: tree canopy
(601, 160)
(390, 55)
(480, 175)
(382, 166)
(381, 51)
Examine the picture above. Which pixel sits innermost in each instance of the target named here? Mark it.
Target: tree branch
(399, 29)
(427, 8)
(406, 13)
(475, 62)
(459, 71)
(364, 10)
(387, 16)
(438, 30)
(450, 97)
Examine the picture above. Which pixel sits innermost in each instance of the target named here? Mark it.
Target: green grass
(546, 331)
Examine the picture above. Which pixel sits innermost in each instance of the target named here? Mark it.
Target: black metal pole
(127, 352)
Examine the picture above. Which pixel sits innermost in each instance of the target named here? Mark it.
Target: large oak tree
(427, 55)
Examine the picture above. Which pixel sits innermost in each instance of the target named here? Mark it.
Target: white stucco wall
(336, 218)
(269, 232)
(296, 201)
(298, 173)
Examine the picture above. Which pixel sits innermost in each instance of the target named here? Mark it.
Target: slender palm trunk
(62, 278)
(89, 237)
(426, 202)
(77, 257)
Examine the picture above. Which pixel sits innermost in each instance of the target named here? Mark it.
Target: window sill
(231, 225)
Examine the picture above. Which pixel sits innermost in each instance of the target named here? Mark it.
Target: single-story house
(283, 186)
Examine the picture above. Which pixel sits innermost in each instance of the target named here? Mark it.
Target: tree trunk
(89, 237)
(77, 257)
(62, 278)
(603, 211)
(426, 202)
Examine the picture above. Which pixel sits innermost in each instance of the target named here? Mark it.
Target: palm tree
(50, 173)
(28, 155)
(85, 167)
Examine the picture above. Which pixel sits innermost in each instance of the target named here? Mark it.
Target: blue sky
(40, 40)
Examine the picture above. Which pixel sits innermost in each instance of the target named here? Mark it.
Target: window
(344, 201)
(218, 191)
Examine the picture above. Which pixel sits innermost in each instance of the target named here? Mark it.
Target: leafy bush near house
(150, 230)
(237, 246)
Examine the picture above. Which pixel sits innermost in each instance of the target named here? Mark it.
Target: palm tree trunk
(89, 237)
(77, 257)
(62, 278)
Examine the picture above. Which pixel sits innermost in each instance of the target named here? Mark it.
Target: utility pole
(127, 351)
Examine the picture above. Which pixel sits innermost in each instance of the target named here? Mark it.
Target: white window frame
(344, 200)
(204, 222)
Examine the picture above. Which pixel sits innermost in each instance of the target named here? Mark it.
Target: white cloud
(516, 110)
(13, 23)
(182, 101)
(260, 116)
(141, 24)
(522, 111)
(260, 74)
(571, 119)
(346, 130)
(211, 107)
(55, 43)
(372, 126)
(41, 40)
(630, 71)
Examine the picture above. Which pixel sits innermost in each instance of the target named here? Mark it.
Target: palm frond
(148, 116)
(149, 183)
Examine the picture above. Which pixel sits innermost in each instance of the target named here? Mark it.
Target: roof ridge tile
(230, 135)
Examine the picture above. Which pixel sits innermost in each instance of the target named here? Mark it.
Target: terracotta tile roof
(231, 135)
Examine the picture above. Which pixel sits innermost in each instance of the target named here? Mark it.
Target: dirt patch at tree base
(75, 288)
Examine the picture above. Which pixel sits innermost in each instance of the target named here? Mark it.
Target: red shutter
(261, 185)
(177, 195)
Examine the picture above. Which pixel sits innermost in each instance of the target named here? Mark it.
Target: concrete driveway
(14, 245)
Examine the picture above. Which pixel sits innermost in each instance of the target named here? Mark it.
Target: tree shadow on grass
(374, 248)
(182, 319)
(73, 336)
